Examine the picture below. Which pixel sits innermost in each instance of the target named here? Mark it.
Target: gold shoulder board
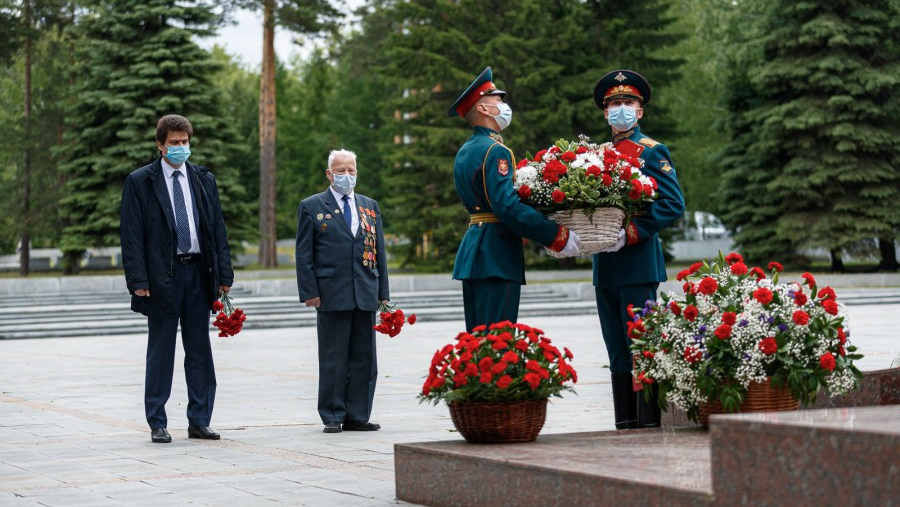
(648, 142)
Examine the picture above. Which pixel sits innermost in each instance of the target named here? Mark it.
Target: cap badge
(621, 77)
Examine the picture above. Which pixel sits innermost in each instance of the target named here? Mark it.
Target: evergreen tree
(135, 62)
(818, 129)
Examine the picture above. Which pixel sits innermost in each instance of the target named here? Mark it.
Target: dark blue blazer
(347, 272)
(147, 233)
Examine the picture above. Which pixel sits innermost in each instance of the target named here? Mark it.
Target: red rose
(827, 361)
(801, 318)
(768, 346)
(775, 266)
(729, 318)
(723, 331)
(708, 285)
(558, 196)
(692, 355)
(606, 180)
(763, 295)
(691, 312)
(738, 268)
(733, 257)
(800, 298)
(830, 306)
(567, 156)
(504, 381)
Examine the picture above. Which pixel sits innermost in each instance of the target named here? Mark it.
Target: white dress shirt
(354, 227)
(168, 170)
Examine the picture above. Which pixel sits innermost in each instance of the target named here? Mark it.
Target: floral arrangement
(583, 175)
(500, 362)
(391, 319)
(230, 320)
(735, 325)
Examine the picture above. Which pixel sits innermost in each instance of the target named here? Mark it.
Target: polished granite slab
(660, 467)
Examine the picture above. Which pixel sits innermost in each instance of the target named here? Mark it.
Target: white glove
(619, 244)
(572, 245)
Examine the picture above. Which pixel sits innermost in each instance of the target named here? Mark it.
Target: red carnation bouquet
(392, 319)
(230, 320)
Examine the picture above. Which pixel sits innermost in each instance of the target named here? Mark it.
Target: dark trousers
(348, 365)
(490, 300)
(612, 306)
(199, 372)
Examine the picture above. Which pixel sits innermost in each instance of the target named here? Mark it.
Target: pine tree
(819, 129)
(136, 61)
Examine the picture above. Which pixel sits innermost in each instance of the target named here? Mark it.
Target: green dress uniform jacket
(641, 259)
(484, 174)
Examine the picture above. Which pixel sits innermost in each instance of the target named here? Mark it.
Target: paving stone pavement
(72, 430)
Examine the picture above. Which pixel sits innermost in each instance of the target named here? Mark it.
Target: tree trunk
(25, 234)
(837, 263)
(267, 239)
(888, 254)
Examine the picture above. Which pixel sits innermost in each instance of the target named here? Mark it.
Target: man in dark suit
(629, 272)
(342, 272)
(176, 259)
(490, 260)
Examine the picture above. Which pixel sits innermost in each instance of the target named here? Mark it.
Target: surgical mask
(622, 117)
(505, 116)
(177, 155)
(344, 183)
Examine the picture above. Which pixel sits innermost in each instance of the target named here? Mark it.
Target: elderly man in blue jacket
(176, 259)
(342, 272)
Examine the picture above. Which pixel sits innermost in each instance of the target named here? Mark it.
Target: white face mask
(505, 116)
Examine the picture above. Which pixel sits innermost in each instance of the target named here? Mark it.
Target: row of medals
(369, 250)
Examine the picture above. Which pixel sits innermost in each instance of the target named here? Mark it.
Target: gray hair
(340, 153)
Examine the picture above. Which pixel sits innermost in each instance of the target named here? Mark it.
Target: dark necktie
(182, 228)
(348, 216)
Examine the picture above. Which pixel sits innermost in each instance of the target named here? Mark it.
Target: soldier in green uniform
(629, 272)
(490, 260)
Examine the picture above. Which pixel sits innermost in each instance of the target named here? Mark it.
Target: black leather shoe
(361, 426)
(332, 427)
(160, 436)
(202, 432)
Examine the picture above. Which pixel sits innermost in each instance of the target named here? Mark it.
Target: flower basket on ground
(497, 380)
(736, 328)
(590, 188)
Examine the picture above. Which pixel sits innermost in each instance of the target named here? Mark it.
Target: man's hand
(142, 293)
(619, 244)
(572, 245)
(316, 302)
(224, 288)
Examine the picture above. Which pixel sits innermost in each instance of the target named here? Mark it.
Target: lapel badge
(327, 216)
(337, 211)
(319, 217)
(324, 226)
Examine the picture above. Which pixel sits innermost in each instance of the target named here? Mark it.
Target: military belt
(483, 218)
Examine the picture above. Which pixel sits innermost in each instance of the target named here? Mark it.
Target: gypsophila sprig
(583, 175)
(500, 362)
(735, 325)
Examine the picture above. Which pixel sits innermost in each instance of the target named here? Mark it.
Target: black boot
(648, 413)
(624, 402)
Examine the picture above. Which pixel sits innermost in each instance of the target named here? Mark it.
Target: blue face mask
(505, 116)
(177, 155)
(344, 183)
(622, 118)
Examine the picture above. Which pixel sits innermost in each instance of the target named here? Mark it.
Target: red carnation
(504, 381)
(691, 312)
(594, 171)
(539, 156)
(723, 331)
(763, 295)
(729, 318)
(218, 306)
(683, 274)
(827, 361)
(800, 318)
(734, 257)
(532, 380)
(411, 319)
(511, 357)
(581, 149)
(800, 298)
(692, 355)
(809, 279)
(768, 346)
(841, 335)
(675, 308)
(524, 192)
(567, 156)
(695, 267)
(637, 190)
(830, 306)
(758, 272)
(827, 293)
(708, 285)
(775, 266)
(606, 180)
(522, 163)
(738, 268)
(558, 196)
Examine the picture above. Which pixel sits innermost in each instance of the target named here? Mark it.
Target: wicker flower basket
(761, 397)
(597, 230)
(499, 422)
